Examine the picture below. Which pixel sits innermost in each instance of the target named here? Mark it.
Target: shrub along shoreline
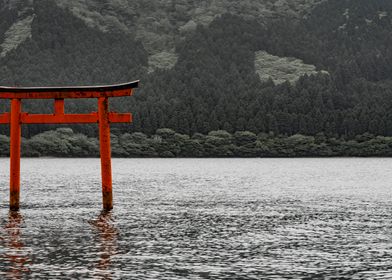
(166, 143)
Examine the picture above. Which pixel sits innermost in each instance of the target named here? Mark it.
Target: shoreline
(166, 143)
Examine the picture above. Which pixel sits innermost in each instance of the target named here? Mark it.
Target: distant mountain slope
(209, 79)
(160, 23)
(213, 85)
(19, 32)
(353, 35)
(162, 17)
(157, 24)
(58, 48)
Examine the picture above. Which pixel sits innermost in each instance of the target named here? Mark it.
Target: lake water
(200, 219)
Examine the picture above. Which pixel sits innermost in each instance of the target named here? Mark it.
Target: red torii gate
(103, 117)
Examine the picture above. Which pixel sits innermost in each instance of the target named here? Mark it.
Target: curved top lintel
(101, 88)
(116, 90)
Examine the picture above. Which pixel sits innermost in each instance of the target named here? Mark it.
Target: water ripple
(200, 219)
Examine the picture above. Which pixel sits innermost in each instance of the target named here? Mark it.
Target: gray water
(200, 219)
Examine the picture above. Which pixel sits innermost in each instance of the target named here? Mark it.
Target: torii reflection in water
(108, 236)
(14, 256)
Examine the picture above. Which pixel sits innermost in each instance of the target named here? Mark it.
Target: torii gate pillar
(16, 118)
(15, 142)
(106, 160)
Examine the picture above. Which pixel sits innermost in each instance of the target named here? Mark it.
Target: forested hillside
(211, 80)
(214, 86)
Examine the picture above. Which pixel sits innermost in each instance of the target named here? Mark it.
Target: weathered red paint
(59, 106)
(66, 118)
(15, 141)
(103, 117)
(106, 161)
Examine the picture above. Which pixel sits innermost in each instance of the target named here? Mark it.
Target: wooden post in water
(106, 161)
(15, 154)
(104, 118)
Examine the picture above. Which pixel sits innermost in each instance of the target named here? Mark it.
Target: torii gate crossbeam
(103, 117)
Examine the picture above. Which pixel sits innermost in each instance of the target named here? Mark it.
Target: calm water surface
(200, 219)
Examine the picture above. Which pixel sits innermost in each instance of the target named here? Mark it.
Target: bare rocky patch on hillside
(160, 23)
(282, 69)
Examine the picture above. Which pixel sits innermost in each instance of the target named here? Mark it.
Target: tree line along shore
(166, 143)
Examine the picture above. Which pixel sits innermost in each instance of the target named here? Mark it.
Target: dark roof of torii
(101, 88)
(116, 90)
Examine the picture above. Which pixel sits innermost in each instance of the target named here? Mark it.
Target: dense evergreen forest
(64, 142)
(214, 86)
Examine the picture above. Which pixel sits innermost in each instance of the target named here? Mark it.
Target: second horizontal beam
(26, 118)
